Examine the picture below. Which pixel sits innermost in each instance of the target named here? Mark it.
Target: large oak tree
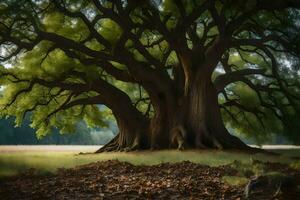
(169, 71)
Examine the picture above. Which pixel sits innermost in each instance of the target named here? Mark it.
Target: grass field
(47, 159)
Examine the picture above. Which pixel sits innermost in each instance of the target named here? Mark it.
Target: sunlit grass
(15, 162)
(295, 165)
(235, 180)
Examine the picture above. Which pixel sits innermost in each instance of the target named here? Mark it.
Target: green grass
(235, 180)
(44, 162)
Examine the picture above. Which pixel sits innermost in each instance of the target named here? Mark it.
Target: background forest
(11, 135)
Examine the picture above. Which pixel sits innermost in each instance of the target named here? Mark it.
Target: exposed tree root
(110, 146)
(114, 146)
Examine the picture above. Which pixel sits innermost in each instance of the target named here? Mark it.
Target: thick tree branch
(90, 25)
(223, 80)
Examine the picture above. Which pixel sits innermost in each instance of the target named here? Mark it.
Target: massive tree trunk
(180, 121)
(191, 121)
(185, 116)
(195, 123)
(163, 119)
(204, 119)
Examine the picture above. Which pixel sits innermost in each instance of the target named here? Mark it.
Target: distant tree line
(11, 135)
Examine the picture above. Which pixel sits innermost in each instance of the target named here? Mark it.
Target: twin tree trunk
(191, 120)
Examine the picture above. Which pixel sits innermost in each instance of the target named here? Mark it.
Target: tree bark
(132, 136)
(133, 125)
(163, 105)
(133, 132)
(194, 122)
(180, 120)
(204, 118)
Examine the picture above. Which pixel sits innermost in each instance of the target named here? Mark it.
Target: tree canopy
(169, 71)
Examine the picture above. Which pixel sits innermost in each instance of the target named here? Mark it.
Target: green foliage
(50, 63)
(110, 30)
(259, 121)
(248, 97)
(34, 65)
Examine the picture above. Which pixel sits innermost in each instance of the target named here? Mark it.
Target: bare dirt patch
(121, 180)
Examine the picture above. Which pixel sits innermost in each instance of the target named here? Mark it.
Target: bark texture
(185, 116)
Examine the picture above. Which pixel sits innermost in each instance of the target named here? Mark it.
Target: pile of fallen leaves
(120, 180)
